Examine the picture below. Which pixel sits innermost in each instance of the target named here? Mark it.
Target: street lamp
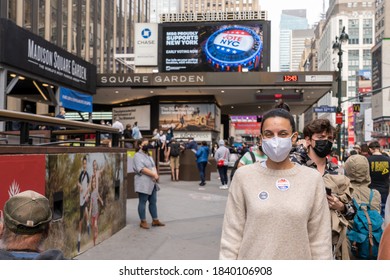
(337, 47)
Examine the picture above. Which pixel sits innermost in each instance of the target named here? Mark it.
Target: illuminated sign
(290, 78)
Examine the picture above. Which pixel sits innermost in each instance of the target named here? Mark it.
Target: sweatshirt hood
(357, 169)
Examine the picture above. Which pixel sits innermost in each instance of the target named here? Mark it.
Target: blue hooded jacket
(202, 154)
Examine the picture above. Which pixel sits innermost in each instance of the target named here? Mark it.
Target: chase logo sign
(232, 48)
(146, 33)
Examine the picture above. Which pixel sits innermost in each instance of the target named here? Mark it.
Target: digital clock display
(290, 78)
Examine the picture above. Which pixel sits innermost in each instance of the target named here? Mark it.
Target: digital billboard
(187, 117)
(214, 46)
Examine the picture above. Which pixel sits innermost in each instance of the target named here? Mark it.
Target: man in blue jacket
(202, 156)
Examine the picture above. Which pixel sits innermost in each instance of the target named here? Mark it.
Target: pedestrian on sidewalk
(276, 210)
(202, 157)
(222, 156)
(145, 183)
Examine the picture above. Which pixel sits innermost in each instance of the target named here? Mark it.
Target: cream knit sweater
(273, 219)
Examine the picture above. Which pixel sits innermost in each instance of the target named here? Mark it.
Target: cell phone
(328, 191)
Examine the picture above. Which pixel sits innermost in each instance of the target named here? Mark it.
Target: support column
(3, 100)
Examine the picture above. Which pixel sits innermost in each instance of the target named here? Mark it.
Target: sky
(275, 7)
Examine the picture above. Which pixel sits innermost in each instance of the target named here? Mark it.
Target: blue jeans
(223, 174)
(143, 198)
(202, 171)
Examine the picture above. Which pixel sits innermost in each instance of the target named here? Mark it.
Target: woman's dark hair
(282, 113)
(139, 142)
(282, 105)
(204, 143)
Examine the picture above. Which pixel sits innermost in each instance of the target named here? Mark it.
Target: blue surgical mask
(277, 149)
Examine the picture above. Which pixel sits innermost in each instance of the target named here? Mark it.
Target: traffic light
(361, 98)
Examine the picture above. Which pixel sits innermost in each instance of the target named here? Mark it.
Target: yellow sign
(356, 108)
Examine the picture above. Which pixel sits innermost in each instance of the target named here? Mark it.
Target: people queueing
(276, 201)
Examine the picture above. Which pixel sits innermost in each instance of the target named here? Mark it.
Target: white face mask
(276, 148)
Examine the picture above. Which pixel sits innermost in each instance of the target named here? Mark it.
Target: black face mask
(322, 148)
(145, 149)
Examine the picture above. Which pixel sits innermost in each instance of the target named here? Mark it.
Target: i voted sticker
(282, 184)
(263, 195)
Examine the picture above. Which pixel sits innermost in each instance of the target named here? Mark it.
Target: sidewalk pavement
(193, 219)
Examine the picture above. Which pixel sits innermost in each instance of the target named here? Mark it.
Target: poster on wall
(132, 114)
(215, 46)
(187, 117)
(217, 118)
(94, 201)
(20, 173)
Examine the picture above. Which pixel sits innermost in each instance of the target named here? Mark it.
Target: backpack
(175, 150)
(366, 232)
(235, 166)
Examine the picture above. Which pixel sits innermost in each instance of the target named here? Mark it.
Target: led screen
(215, 47)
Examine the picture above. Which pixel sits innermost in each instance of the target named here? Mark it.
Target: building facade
(291, 20)
(380, 80)
(358, 19)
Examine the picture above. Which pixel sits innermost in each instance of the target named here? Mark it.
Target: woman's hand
(335, 204)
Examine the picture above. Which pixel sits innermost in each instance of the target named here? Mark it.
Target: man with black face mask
(318, 141)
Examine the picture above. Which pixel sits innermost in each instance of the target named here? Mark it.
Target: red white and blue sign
(234, 48)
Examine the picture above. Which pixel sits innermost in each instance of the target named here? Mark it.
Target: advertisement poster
(187, 117)
(351, 126)
(145, 44)
(215, 47)
(94, 201)
(132, 114)
(364, 78)
(20, 173)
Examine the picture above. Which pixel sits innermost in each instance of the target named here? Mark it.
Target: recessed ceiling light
(222, 91)
(258, 107)
(151, 91)
(232, 107)
(13, 75)
(116, 91)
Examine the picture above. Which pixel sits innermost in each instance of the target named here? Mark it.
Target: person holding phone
(276, 210)
(319, 135)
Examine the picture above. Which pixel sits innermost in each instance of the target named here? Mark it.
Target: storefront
(33, 69)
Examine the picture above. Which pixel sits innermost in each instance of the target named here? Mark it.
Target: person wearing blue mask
(276, 210)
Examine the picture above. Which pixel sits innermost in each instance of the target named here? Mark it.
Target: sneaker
(202, 184)
(223, 187)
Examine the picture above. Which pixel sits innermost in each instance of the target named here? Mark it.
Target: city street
(193, 221)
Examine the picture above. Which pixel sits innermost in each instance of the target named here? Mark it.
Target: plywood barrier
(72, 179)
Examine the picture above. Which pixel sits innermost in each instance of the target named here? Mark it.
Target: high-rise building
(91, 29)
(358, 19)
(158, 7)
(380, 66)
(291, 20)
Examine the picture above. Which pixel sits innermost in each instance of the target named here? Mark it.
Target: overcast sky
(275, 7)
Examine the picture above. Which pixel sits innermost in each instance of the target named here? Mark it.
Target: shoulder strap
(371, 196)
(252, 156)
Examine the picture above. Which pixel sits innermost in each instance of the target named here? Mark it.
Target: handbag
(221, 162)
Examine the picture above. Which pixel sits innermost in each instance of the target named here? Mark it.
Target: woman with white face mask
(276, 210)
